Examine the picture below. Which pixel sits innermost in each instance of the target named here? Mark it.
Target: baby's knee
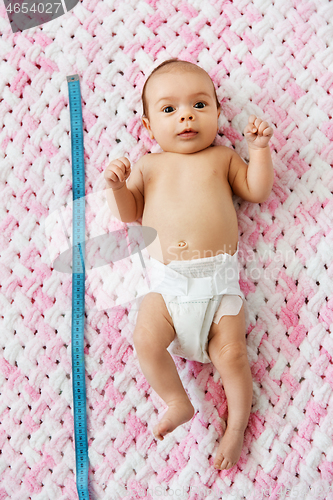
(147, 342)
(233, 352)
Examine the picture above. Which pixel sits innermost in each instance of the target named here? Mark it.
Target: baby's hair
(171, 62)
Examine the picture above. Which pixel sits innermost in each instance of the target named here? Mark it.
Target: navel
(182, 244)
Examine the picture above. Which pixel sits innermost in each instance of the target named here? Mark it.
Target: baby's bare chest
(195, 183)
(190, 204)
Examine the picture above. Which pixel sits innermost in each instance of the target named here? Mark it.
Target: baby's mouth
(188, 133)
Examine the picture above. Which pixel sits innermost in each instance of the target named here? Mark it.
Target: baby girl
(185, 194)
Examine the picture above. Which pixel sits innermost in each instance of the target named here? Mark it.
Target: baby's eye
(170, 108)
(200, 104)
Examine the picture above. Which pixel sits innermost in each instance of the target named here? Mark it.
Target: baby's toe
(157, 433)
(220, 462)
(217, 464)
(161, 429)
(223, 463)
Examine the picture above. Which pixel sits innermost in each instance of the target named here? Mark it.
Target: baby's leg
(153, 333)
(227, 350)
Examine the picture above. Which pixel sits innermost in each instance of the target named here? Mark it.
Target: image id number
(35, 7)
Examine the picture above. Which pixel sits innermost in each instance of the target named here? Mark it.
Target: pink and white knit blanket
(273, 59)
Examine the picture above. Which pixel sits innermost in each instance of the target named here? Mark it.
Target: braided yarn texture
(269, 58)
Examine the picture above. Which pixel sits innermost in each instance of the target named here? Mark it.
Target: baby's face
(180, 100)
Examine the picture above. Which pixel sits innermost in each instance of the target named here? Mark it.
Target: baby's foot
(178, 413)
(229, 449)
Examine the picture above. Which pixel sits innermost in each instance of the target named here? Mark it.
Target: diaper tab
(168, 281)
(227, 276)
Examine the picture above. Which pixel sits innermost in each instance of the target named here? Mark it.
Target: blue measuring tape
(78, 289)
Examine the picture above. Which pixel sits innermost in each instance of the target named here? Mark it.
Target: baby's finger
(125, 161)
(249, 135)
(127, 173)
(248, 129)
(110, 175)
(252, 119)
(108, 172)
(262, 127)
(119, 163)
(119, 172)
(126, 167)
(268, 131)
(258, 124)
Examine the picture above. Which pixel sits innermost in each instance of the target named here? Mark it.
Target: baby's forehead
(160, 79)
(179, 71)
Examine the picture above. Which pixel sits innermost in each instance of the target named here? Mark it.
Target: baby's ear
(146, 124)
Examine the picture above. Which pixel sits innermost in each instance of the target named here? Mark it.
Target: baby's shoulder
(222, 155)
(152, 159)
(143, 161)
(222, 150)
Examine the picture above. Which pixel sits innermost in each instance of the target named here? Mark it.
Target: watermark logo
(25, 14)
(281, 492)
(117, 263)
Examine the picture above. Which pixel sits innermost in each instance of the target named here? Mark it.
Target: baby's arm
(125, 201)
(253, 182)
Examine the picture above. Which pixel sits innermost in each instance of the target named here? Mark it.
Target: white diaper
(197, 292)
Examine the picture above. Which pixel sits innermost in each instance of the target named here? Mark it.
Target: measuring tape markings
(78, 289)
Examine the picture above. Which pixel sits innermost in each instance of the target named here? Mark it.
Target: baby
(185, 193)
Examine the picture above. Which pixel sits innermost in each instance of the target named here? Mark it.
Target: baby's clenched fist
(257, 133)
(117, 172)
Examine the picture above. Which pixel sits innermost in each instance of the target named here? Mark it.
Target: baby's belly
(193, 233)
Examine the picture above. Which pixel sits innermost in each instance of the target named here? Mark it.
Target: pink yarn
(274, 61)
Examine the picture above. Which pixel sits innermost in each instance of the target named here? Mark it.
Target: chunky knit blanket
(273, 59)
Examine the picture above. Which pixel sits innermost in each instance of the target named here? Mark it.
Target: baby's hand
(117, 172)
(257, 133)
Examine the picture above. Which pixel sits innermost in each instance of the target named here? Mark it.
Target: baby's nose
(187, 116)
